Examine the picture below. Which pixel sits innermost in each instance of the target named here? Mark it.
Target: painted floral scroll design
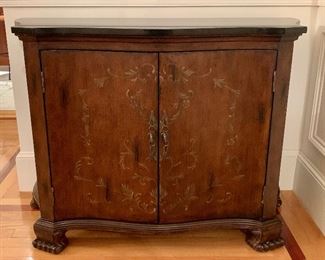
(141, 73)
(175, 175)
(188, 162)
(152, 134)
(127, 155)
(179, 77)
(218, 186)
(182, 199)
(87, 160)
(182, 76)
(140, 171)
(142, 176)
(136, 199)
(177, 168)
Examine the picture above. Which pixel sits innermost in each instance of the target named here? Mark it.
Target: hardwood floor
(9, 143)
(8, 115)
(307, 234)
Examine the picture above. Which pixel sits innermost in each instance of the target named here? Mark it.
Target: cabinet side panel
(102, 122)
(277, 128)
(215, 110)
(38, 119)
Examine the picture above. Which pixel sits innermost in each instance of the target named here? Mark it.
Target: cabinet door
(215, 109)
(101, 110)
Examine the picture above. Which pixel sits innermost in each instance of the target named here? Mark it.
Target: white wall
(309, 178)
(305, 10)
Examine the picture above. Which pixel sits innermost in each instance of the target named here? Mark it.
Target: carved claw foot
(54, 248)
(279, 202)
(267, 237)
(265, 246)
(47, 238)
(33, 204)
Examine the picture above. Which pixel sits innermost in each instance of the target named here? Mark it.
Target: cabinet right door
(215, 110)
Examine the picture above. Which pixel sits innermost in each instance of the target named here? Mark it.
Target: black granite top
(160, 27)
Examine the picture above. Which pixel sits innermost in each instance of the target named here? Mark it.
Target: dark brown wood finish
(281, 88)
(215, 110)
(40, 138)
(158, 27)
(158, 131)
(102, 110)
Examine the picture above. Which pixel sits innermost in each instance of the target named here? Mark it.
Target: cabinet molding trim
(316, 140)
(160, 3)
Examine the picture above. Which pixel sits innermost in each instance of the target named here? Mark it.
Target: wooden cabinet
(158, 130)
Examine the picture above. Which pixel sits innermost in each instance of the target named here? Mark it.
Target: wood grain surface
(101, 112)
(216, 108)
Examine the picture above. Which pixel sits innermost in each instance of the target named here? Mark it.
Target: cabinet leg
(34, 203)
(266, 237)
(48, 238)
(279, 202)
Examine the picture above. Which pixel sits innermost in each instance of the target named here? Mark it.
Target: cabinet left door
(101, 111)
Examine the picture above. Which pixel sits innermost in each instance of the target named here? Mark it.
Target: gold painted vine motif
(183, 199)
(127, 156)
(142, 73)
(188, 161)
(135, 198)
(87, 160)
(221, 195)
(179, 76)
(231, 161)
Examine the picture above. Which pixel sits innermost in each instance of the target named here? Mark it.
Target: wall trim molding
(293, 153)
(309, 186)
(312, 169)
(22, 154)
(316, 140)
(25, 163)
(159, 3)
(287, 170)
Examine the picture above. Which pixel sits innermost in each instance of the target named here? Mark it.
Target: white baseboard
(287, 171)
(26, 171)
(309, 186)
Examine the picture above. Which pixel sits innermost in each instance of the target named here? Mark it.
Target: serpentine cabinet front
(158, 129)
(153, 137)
